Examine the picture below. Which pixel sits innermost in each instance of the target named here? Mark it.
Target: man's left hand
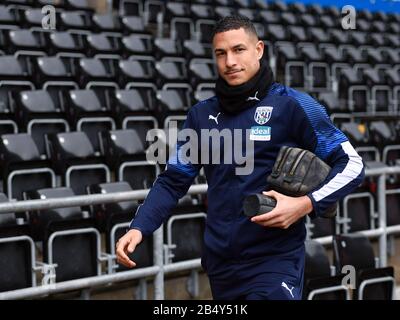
(287, 211)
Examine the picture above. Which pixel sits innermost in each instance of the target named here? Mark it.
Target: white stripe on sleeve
(350, 172)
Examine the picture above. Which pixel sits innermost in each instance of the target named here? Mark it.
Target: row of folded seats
(141, 107)
(70, 160)
(153, 11)
(82, 71)
(63, 98)
(325, 67)
(354, 263)
(89, 44)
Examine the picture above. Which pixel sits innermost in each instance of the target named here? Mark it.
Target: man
(261, 258)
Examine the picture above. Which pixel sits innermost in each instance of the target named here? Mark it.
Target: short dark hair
(234, 22)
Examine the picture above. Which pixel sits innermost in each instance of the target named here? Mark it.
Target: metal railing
(159, 269)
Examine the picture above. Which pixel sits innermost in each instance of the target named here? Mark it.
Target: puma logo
(253, 98)
(288, 289)
(211, 117)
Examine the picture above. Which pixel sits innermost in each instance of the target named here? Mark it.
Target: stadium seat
(174, 99)
(372, 283)
(195, 49)
(65, 233)
(40, 114)
(22, 166)
(140, 44)
(125, 153)
(171, 69)
(74, 157)
(204, 91)
(102, 43)
(87, 113)
(318, 282)
(136, 69)
(167, 47)
(65, 41)
(107, 22)
(184, 233)
(133, 110)
(75, 20)
(18, 270)
(115, 218)
(202, 70)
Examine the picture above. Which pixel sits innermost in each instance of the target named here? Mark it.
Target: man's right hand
(126, 245)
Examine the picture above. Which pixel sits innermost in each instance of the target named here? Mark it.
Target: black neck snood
(234, 99)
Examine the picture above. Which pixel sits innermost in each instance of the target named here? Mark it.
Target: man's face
(237, 54)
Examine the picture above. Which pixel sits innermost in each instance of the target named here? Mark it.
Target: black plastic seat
(114, 218)
(223, 11)
(124, 152)
(11, 68)
(269, 17)
(121, 145)
(360, 38)
(298, 34)
(78, 5)
(204, 91)
(289, 18)
(140, 44)
(201, 11)
(74, 157)
(134, 108)
(195, 49)
(173, 99)
(276, 32)
(75, 20)
(357, 251)
(317, 275)
(359, 98)
(167, 47)
(92, 69)
(331, 102)
(25, 40)
(319, 35)
(102, 43)
(359, 211)
(15, 244)
(133, 24)
(106, 22)
(66, 232)
(64, 41)
(171, 70)
(7, 16)
(22, 166)
(40, 114)
(202, 70)
(137, 69)
(52, 69)
(87, 113)
(176, 9)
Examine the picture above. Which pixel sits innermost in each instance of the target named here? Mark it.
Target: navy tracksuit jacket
(239, 255)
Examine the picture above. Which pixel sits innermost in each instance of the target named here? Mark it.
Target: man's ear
(260, 49)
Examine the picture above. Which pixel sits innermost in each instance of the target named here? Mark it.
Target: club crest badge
(262, 115)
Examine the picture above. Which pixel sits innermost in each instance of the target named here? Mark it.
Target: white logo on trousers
(287, 288)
